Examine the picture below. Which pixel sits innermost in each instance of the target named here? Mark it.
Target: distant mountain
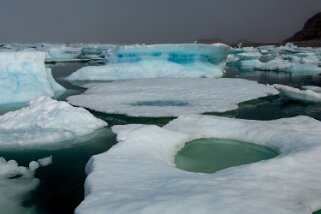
(309, 36)
(310, 32)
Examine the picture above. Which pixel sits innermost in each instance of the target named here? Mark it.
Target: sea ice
(45, 121)
(45, 161)
(309, 94)
(23, 76)
(138, 175)
(287, 58)
(16, 182)
(158, 61)
(170, 97)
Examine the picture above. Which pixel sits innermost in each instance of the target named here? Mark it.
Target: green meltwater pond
(212, 154)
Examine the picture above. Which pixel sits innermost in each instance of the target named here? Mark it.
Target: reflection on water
(211, 155)
(62, 70)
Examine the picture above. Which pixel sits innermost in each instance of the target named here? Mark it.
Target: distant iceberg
(23, 76)
(138, 175)
(309, 94)
(45, 121)
(170, 97)
(158, 61)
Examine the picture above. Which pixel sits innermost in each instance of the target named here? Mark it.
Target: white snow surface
(16, 182)
(23, 76)
(309, 94)
(169, 97)
(138, 175)
(158, 61)
(43, 122)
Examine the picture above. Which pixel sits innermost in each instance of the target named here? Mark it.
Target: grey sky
(151, 21)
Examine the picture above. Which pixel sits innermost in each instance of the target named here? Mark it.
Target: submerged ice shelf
(45, 121)
(158, 61)
(170, 97)
(142, 177)
(23, 76)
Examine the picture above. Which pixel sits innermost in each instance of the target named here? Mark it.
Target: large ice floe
(308, 94)
(138, 175)
(43, 122)
(170, 97)
(16, 183)
(23, 76)
(158, 61)
(288, 58)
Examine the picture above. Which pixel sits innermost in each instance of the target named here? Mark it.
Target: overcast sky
(151, 21)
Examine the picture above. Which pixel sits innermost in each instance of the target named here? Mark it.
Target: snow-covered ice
(23, 76)
(16, 182)
(158, 61)
(309, 94)
(138, 175)
(170, 97)
(43, 122)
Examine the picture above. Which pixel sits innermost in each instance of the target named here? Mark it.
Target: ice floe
(158, 61)
(23, 76)
(138, 175)
(170, 97)
(16, 182)
(43, 122)
(309, 94)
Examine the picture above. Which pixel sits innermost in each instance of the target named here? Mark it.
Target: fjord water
(276, 107)
(211, 155)
(61, 186)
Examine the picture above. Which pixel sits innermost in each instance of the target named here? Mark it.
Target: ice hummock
(170, 97)
(16, 182)
(309, 94)
(158, 61)
(138, 174)
(45, 121)
(23, 76)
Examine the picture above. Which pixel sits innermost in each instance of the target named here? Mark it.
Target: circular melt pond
(211, 155)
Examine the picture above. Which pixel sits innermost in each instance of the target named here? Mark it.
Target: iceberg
(169, 97)
(23, 76)
(138, 175)
(309, 94)
(16, 182)
(45, 121)
(158, 61)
